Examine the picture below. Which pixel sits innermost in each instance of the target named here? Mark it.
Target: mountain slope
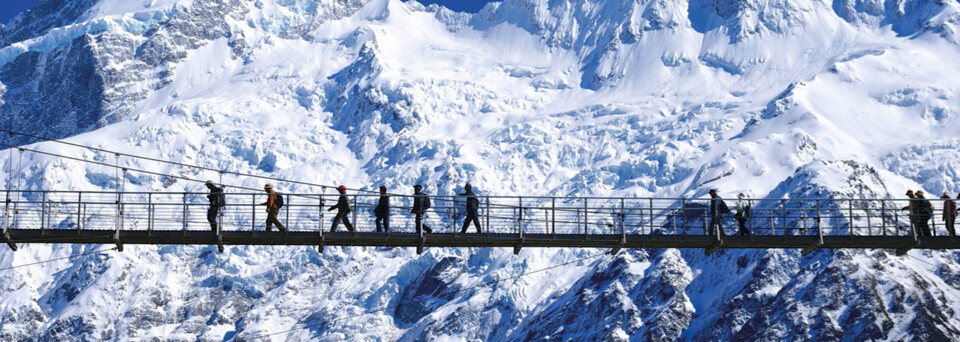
(798, 99)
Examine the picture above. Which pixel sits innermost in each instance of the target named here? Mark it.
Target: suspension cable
(276, 179)
(56, 259)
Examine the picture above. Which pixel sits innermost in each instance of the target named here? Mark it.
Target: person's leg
(336, 222)
(418, 222)
(346, 222)
(377, 221)
(720, 226)
(212, 218)
(273, 216)
(269, 222)
(950, 228)
(476, 223)
(386, 224)
(466, 223)
(426, 228)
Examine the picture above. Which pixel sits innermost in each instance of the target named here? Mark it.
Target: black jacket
(383, 206)
(924, 208)
(343, 205)
(216, 197)
(715, 206)
(419, 200)
(473, 204)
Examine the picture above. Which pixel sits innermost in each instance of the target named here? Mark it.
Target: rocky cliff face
(798, 99)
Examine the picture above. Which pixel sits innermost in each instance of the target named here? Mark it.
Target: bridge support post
(883, 217)
(651, 217)
(520, 241)
(713, 248)
(184, 213)
(220, 227)
(913, 236)
(322, 241)
(43, 213)
(79, 212)
(553, 215)
(620, 243)
(585, 209)
(118, 224)
(683, 217)
(6, 223)
(716, 245)
(815, 246)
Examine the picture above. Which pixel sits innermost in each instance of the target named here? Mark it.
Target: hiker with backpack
(924, 213)
(912, 209)
(421, 202)
(217, 202)
(742, 215)
(343, 210)
(473, 205)
(949, 213)
(274, 203)
(382, 210)
(717, 209)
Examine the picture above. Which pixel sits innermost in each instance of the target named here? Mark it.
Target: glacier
(666, 98)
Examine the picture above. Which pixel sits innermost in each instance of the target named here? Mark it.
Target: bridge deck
(473, 240)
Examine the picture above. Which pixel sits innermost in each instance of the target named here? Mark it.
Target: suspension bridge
(179, 218)
(506, 221)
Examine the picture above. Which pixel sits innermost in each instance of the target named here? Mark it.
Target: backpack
(426, 203)
(221, 199)
(278, 201)
(723, 208)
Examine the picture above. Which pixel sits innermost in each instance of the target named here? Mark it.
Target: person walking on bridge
(912, 210)
(343, 210)
(217, 202)
(274, 203)
(742, 214)
(924, 213)
(382, 210)
(717, 209)
(421, 202)
(473, 205)
(949, 213)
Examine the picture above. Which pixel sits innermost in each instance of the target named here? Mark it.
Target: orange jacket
(270, 200)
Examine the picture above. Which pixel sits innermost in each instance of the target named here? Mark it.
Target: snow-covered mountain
(801, 98)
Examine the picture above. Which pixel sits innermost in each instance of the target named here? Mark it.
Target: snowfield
(666, 98)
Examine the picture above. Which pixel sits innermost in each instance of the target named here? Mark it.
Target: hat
(741, 195)
(417, 186)
(909, 192)
(918, 192)
(713, 191)
(209, 182)
(945, 195)
(268, 186)
(342, 188)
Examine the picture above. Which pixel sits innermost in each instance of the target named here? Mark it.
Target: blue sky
(11, 8)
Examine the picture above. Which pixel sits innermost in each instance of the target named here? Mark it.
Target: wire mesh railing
(496, 214)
